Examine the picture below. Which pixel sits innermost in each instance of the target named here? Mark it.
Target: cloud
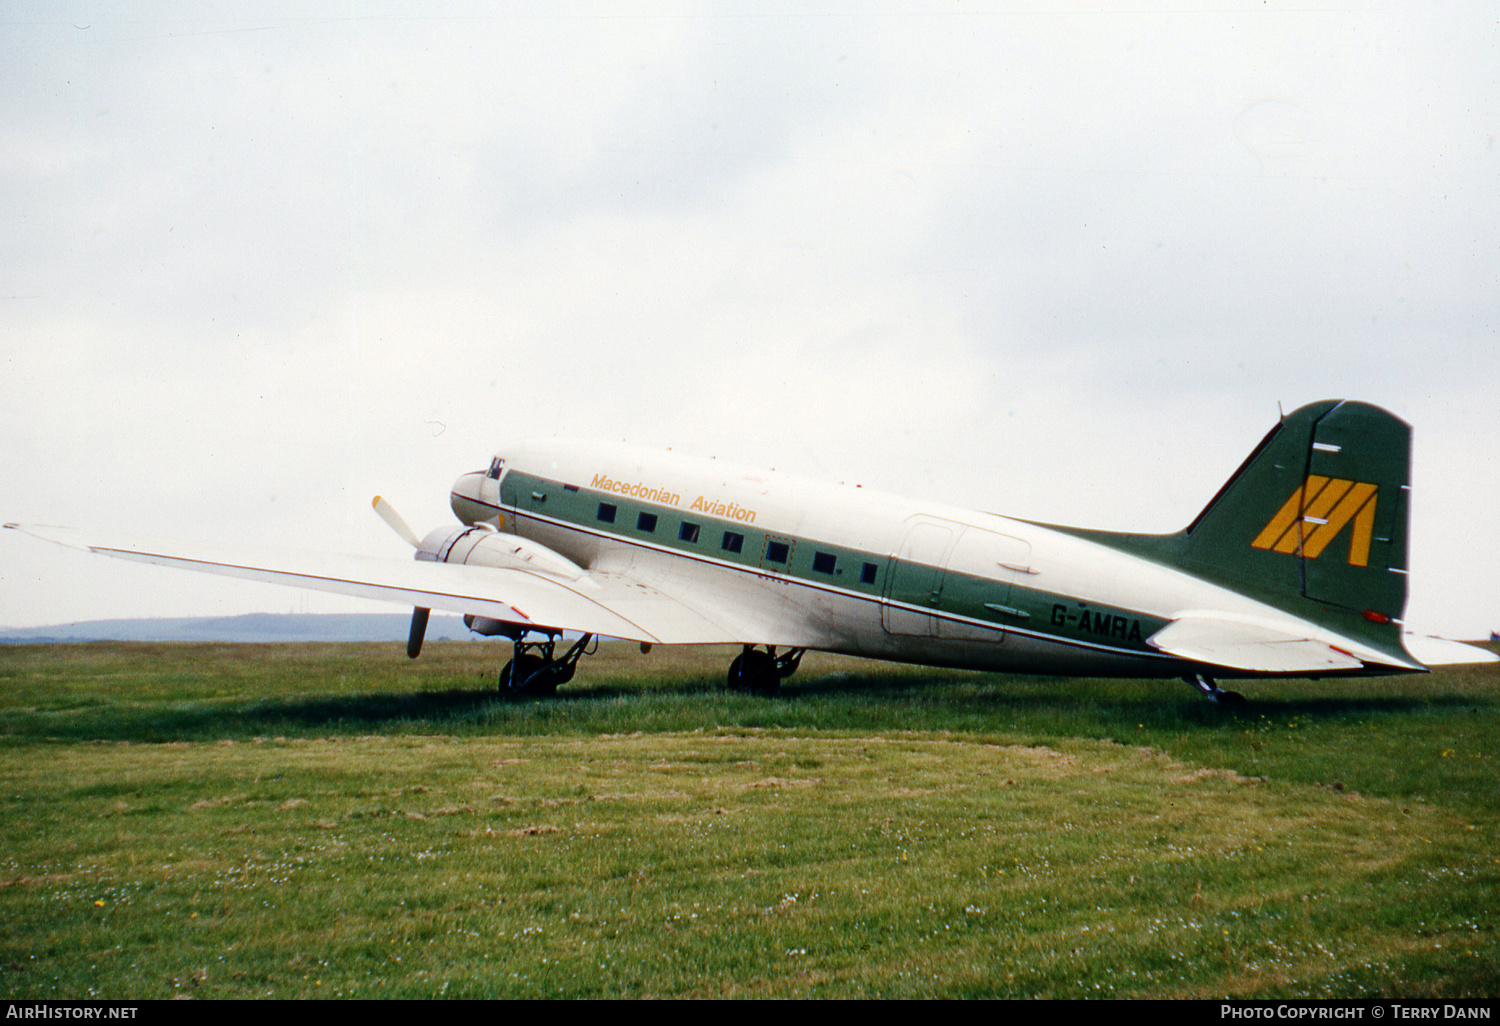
(261, 263)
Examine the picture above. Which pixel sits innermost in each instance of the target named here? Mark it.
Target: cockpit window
(496, 466)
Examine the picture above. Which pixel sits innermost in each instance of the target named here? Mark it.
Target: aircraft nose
(475, 498)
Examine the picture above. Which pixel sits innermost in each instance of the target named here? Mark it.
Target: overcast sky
(261, 263)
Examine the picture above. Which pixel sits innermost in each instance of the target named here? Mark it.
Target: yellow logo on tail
(1316, 513)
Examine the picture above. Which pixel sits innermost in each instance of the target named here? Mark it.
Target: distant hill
(252, 627)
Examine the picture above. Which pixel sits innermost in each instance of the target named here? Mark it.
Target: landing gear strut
(762, 672)
(1211, 690)
(533, 671)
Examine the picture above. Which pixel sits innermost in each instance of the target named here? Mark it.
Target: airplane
(1297, 567)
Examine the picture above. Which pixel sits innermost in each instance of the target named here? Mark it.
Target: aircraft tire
(755, 672)
(532, 679)
(1231, 699)
(736, 680)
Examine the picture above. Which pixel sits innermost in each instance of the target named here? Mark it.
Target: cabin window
(607, 512)
(733, 542)
(777, 552)
(867, 575)
(823, 562)
(496, 466)
(646, 522)
(688, 532)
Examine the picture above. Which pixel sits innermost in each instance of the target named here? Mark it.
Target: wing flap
(1249, 646)
(511, 595)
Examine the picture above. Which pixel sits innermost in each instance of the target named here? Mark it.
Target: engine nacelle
(491, 628)
(482, 545)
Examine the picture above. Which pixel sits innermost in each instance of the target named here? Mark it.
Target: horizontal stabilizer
(1441, 652)
(1249, 646)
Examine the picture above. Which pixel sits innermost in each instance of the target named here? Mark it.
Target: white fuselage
(861, 572)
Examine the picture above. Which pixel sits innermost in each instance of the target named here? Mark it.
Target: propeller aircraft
(1296, 568)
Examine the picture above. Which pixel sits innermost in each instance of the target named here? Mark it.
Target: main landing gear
(762, 672)
(534, 672)
(1215, 694)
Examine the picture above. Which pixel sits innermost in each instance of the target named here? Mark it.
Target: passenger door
(916, 578)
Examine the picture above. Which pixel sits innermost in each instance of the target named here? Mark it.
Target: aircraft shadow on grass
(966, 701)
(1115, 699)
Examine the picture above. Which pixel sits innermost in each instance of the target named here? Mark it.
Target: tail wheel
(1210, 690)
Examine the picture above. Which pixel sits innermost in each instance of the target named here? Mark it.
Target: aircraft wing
(607, 604)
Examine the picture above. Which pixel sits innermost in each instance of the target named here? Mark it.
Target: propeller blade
(418, 632)
(390, 516)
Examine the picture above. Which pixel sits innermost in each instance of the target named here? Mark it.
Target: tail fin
(1314, 522)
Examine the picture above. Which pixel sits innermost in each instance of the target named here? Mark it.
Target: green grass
(326, 820)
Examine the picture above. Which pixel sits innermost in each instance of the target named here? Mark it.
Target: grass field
(330, 820)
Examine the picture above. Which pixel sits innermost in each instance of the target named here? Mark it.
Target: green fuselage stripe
(961, 597)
